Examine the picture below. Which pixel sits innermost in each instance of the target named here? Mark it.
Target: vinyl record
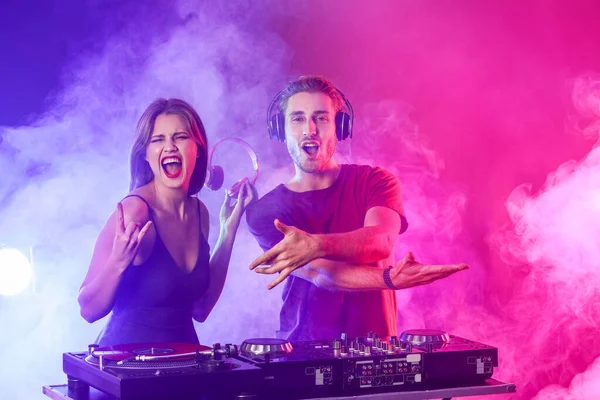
(153, 351)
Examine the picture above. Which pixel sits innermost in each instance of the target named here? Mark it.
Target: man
(330, 231)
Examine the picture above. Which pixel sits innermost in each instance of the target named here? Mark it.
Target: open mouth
(172, 166)
(310, 148)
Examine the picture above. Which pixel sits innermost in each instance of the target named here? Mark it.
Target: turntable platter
(153, 356)
(266, 346)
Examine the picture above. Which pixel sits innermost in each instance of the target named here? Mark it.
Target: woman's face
(171, 152)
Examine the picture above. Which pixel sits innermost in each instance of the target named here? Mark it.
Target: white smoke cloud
(554, 243)
(584, 386)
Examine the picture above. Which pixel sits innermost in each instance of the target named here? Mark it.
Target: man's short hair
(311, 84)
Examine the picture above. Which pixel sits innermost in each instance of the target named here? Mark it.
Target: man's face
(310, 130)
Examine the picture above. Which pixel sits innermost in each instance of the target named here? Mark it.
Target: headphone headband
(216, 174)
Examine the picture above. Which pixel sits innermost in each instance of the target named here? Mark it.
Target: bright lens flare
(15, 272)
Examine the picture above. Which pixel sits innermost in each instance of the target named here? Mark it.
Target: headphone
(276, 121)
(216, 176)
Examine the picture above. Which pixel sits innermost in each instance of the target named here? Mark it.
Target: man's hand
(295, 250)
(408, 272)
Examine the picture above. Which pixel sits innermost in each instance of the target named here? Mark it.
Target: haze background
(487, 111)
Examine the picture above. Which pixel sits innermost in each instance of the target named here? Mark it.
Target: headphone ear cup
(343, 125)
(273, 128)
(277, 127)
(216, 176)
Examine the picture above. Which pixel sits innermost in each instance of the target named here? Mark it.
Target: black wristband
(387, 280)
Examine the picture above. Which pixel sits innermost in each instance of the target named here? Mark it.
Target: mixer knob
(232, 350)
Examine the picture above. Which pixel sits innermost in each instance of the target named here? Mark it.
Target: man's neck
(307, 181)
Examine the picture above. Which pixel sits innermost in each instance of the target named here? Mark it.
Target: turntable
(160, 371)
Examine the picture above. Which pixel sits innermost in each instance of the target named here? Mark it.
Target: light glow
(15, 272)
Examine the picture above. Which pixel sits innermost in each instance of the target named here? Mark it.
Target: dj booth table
(489, 387)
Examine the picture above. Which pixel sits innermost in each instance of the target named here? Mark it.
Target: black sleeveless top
(153, 302)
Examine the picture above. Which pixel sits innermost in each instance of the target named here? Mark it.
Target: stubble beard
(311, 166)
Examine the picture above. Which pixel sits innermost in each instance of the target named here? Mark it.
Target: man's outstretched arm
(337, 275)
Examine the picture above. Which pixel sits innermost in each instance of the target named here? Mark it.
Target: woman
(151, 264)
